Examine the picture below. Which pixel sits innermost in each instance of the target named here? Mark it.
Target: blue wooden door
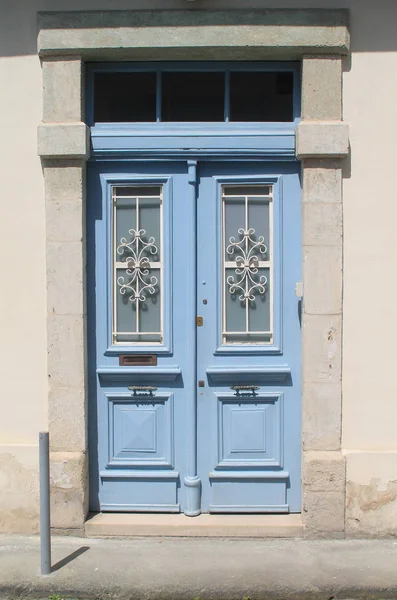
(194, 336)
(249, 344)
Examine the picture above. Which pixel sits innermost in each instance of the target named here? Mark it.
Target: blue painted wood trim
(159, 86)
(184, 130)
(147, 474)
(140, 397)
(145, 508)
(107, 181)
(117, 141)
(182, 140)
(167, 460)
(227, 96)
(114, 375)
(246, 374)
(243, 349)
(192, 481)
(241, 475)
(260, 508)
(251, 466)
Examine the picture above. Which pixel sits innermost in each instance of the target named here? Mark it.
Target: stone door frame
(319, 39)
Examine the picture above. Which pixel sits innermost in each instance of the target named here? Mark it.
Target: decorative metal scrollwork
(138, 266)
(247, 263)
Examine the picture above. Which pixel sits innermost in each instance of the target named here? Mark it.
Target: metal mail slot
(138, 360)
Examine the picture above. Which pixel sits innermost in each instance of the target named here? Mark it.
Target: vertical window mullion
(158, 96)
(227, 96)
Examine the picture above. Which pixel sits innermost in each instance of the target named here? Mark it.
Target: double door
(194, 336)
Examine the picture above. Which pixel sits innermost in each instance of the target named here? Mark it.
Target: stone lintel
(63, 140)
(322, 139)
(151, 33)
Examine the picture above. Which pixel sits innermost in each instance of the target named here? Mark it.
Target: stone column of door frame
(63, 144)
(322, 140)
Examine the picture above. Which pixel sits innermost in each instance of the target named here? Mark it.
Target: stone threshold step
(168, 525)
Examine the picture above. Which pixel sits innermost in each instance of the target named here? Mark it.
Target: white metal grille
(247, 280)
(137, 264)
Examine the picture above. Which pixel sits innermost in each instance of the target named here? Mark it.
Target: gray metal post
(45, 521)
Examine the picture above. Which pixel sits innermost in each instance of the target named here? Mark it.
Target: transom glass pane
(224, 95)
(259, 96)
(247, 264)
(193, 97)
(124, 97)
(137, 264)
(254, 190)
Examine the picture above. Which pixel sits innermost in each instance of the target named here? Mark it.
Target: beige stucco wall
(370, 315)
(23, 400)
(370, 248)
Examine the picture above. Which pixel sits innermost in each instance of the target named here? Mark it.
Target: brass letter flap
(138, 360)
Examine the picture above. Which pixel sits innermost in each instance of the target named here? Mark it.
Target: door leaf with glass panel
(248, 348)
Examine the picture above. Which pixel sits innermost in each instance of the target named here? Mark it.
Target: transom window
(149, 94)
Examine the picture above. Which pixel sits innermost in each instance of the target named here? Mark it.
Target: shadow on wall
(374, 22)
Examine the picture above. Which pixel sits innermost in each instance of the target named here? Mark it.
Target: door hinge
(199, 321)
(299, 289)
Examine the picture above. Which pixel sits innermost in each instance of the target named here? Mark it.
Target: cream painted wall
(22, 239)
(370, 239)
(370, 253)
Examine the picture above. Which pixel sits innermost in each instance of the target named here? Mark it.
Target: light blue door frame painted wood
(193, 256)
(194, 444)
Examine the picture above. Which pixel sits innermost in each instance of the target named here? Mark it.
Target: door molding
(107, 181)
(319, 39)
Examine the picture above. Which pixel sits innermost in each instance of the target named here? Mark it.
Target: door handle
(244, 390)
(136, 389)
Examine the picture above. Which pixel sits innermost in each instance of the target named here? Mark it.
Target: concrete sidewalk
(195, 568)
